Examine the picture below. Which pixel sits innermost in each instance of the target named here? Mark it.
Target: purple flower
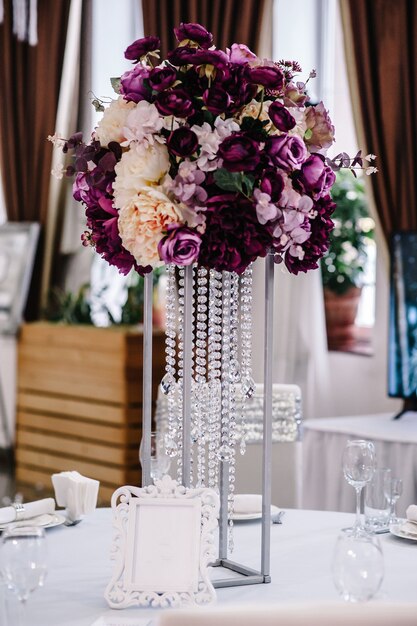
(269, 76)
(141, 47)
(180, 246)
(233, 237)
(241, 54)
(239, 152)
(132, 85)
(272, 183)
(216, 99)
(315, 176)
(182, 142)
(161, 78)
(194, 32)
(286, 151)
(281, 117)
(181, 56)
(175, 102)
(217, 58)
(318, 243)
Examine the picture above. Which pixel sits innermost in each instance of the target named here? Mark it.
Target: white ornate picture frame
(164, 542)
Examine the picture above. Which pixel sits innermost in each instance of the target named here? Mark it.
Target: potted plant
(343, 268)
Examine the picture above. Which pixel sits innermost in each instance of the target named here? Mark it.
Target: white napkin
(32, 509)
(77, 493)
(410, 525)
(247, 503)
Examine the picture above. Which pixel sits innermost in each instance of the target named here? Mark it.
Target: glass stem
(358, 507)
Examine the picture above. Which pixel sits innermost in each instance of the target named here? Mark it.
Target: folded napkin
(76, 493)
(247, 503)
(31, 509)
(410, 525)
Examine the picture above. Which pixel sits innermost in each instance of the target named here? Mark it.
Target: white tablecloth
(324, 486)
(301, 554)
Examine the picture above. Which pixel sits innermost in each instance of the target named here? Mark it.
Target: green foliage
(74, 308)
(69, 308)
(343, 266)
(234, 181)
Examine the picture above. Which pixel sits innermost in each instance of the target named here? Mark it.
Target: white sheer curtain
(300, 345)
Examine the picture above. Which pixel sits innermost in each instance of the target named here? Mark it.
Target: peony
(111, 126)
(320, 130)
(139, 167)
(281, 117)
(142, 47)
(133, 86)
(143, 223)
(241, 54)
(239, 152)
(195, 33)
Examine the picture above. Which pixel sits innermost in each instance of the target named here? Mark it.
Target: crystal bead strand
(214, 372)
(201, 376)
(234, 378)
(180, 320)
(168, 383)
(247, 382)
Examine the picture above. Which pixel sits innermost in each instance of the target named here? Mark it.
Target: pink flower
(320, 130)
(239, 54)
(180, 246)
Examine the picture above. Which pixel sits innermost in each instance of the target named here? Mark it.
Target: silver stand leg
(267, 421)
(147, 381)
(187, 378)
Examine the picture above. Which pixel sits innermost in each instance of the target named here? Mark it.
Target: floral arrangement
(209, 156)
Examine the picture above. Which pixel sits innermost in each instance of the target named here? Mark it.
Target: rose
(194, 32)
(180, 246)
(216, 99)
(132, 84)
(239, 54)
(141, 47)
(272, 183)
(143, 222)
(239, 152)
(160, 78)
(182, 142)
(280, 117)
(268, 76)
(320, 130)
(295, 95)
(315, 176)
(286, 152)
(175, 102)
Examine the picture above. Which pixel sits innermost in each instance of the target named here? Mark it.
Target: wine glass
(358, 468)
(358, 565)
(23, 560)
(160, 461)
(394, 491)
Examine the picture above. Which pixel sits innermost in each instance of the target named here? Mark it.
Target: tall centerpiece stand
(208, 378)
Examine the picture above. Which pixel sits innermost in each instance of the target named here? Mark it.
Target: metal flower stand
(225, 424)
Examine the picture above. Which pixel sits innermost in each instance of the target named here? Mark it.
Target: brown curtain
(381, 36)
(230, 21)
(30, 80)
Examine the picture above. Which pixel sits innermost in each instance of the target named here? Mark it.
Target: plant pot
(341, 311)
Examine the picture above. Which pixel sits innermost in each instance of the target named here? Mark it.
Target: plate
(395, 529)
(48, 520)
(242, 517)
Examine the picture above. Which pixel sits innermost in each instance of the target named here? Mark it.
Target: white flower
(139, 167)
(111, 126)
(371, 170)
(143, 222)
(58, 171)
(225, 127)
(370, 157)
(143, 123)
(209, 140)
(56, 140)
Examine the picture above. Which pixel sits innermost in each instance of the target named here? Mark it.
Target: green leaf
(248, 183)
(115, 83)
(228, 181)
